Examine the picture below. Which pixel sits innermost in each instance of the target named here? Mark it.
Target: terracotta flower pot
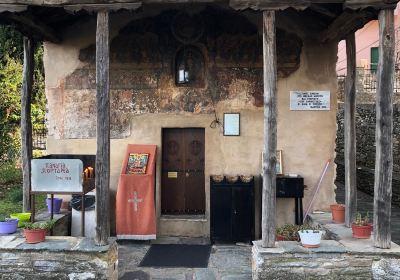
(338, 211)
(362, 232)
(33, 236)
(279, 237)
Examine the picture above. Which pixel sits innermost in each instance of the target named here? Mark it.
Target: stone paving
(227, 262)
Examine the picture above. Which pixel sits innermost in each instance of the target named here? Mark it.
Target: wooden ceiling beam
(30, 26)
(102, 7)
(376, 4)
(269, 4)
(318, 8)
(12, 8)
(348, 22)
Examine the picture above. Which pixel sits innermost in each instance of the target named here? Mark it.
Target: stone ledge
(57, 258)
(343, 258)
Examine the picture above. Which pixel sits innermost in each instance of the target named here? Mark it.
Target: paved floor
(365, 203)
(227, 262)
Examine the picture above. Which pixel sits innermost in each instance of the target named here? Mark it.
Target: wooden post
(350, 131)
(384, 131)
(26, 124)
(103, 130)
(269, 162)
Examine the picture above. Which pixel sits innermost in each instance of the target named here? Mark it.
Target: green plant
(2, 218)
(40, 225)
(289, 232)
(9, 173)
(361, 220)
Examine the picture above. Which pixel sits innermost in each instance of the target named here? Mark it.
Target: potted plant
(36, 232)
(361, 227)
(338, 211)
(288, 233)
(310, 236)
(8, 225)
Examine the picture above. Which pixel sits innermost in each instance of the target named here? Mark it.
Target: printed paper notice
(57, 175)
(310, 100)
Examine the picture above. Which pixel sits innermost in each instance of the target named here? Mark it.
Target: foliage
(3, 218)
(289, 232)
(40, 225)
(11, 68)
(9, 173)
(361, 220)
(10, 43)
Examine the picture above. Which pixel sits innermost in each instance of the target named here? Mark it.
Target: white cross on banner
(135, 200)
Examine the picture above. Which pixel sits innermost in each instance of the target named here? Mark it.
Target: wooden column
(26, 124)
(103, 130)
(384, 131)
(269, 162)
(350, 131)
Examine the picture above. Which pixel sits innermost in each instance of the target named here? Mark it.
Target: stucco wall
(366, 38)
(306, 138)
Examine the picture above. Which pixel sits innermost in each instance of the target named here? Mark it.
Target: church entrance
(182, 183)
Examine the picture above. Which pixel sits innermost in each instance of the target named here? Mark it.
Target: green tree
(11, 67)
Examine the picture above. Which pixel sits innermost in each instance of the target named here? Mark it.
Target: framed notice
(231, 124)
(137, 163)
(279, 167)
(310, 100)
(57, 175)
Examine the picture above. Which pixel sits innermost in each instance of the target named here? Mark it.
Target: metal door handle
(187, 174)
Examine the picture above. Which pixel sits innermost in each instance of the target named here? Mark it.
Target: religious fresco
(221, 49)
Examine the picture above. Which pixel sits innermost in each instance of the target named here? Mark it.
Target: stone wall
(63, 258)
(365, 133)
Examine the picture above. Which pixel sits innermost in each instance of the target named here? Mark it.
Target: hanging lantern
(182, 74)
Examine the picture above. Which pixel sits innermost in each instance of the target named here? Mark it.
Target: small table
(291, 187)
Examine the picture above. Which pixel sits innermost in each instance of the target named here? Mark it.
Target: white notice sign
(310, 100)
(57, 175)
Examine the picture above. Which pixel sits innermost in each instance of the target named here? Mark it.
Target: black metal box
(288, 186)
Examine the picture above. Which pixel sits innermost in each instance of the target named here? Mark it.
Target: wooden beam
(12, 8)
(102, 7)
(323, 11)
(384, 131)
(270, 133)
(103, 129)
(26, 124)
(376, 4)
(31, 26)
(350, 132)
(269, 4)
(347, 23)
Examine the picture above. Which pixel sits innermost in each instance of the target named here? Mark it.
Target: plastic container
(22, 218)
(57, 202)
(9, 226)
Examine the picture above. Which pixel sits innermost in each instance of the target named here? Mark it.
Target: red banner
(135, 207)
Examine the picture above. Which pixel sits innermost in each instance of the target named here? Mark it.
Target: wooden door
(182, 183)
(242, 214)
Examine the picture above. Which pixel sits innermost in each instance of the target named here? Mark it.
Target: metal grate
(367, 78)
(39, 139)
